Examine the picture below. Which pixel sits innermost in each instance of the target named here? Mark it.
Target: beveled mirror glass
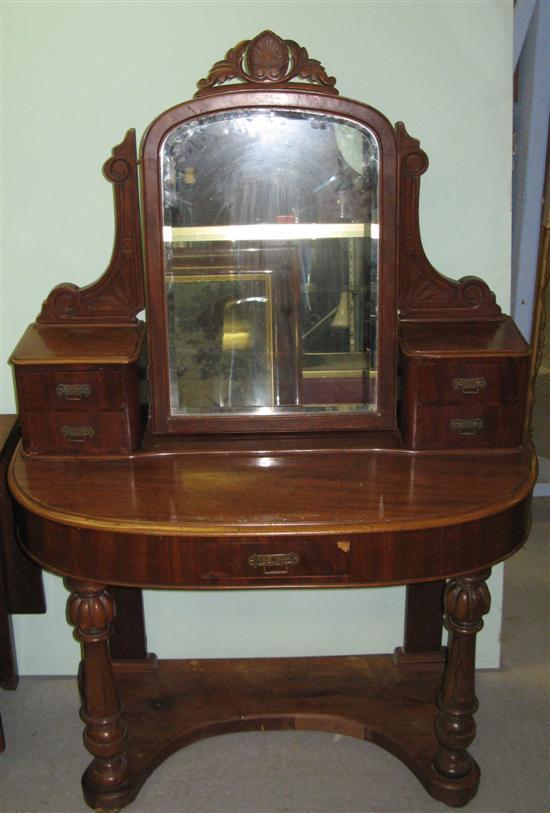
(270, 235)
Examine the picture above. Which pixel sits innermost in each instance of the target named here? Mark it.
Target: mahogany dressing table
(310, 405)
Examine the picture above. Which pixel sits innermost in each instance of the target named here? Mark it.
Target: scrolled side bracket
(117, 296)
(424, 293)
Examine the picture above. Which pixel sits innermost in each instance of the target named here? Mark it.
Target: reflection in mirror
(271, 263)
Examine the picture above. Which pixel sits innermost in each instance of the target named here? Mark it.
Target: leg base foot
(455, 793)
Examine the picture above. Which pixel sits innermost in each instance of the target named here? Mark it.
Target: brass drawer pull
(466, 426)
(73, 392)
(77, 434)
(273, 564)
(469, 386)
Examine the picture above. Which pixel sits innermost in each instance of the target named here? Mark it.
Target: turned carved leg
(467, 599)
(91, 610)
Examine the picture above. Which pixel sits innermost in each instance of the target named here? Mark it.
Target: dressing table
(310, 404)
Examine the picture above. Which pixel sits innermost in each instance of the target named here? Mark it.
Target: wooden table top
(217, 494)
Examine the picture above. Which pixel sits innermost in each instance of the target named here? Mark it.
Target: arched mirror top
(259, 166)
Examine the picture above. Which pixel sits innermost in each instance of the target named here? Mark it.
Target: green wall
(77, 75)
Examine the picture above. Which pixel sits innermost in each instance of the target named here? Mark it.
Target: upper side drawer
(69, 389)
(467, 381)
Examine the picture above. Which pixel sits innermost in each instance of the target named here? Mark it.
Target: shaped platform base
(368, 697)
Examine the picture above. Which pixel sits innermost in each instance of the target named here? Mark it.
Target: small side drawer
(69, 389)
(470, 381)
(75, 433)
(275, 559)
(472, 427)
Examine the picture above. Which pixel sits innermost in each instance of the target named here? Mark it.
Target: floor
(305, 772)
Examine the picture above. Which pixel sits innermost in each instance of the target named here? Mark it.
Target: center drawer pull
(273, 564)
(73, 392)
(466, 426)
(469, 386)
(77, 434)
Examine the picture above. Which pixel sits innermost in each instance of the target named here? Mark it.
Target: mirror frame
(163, 422)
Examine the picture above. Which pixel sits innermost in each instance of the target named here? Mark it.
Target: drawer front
(69, 389)
(468, 427)
(75, 433)
(283, 560)
(470, 381)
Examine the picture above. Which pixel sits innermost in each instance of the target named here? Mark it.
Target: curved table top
(245, 493)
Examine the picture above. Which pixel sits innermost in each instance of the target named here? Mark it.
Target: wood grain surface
(225, 494)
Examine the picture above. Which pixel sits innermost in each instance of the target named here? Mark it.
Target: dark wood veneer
(431, 499)
(466, 393)
(185, 560)
(78, 389)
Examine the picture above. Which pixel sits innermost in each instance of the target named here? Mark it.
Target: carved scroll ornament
(267, 60)
(117, 296)
(424, 293)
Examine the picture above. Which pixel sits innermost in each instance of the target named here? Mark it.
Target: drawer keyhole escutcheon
(466, 426)
(73, 392)
(273, 564)
(469, 386)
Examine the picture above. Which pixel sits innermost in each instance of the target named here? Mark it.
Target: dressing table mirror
(271, 306)
(309, 404)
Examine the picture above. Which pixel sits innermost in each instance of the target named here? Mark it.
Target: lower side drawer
(475, 427)
(275, 558)
(76, 433)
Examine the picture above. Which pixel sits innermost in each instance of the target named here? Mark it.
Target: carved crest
(267, 59)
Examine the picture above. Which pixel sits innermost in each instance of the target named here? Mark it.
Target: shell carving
(266, 59)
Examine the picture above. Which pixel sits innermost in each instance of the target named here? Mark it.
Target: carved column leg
(467, 599)
(91, 610)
